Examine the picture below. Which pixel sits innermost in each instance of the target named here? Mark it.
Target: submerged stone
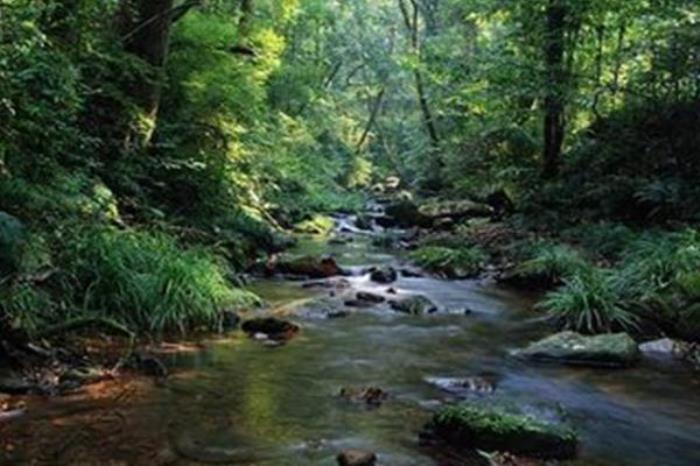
(470, 427)
(607, 350)
(481, 384)
(357, 458)
(415, 305)
(372, 396)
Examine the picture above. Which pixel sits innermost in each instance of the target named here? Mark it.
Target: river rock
(666, 348)
(392, 183)
(404, 214)
(307, 266)
(384, 275)
(370, 297)
(364, 222)
(357, 458)
(435, 211)
(470, 427)
(415, 305)
(340, 284)
(274, 329)
(481, 384)
(607, 350)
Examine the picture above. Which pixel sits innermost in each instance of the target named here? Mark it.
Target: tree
(412, 26)
(145, 27)
(554, 119)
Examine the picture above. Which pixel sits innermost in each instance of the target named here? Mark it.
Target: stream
(238, 401)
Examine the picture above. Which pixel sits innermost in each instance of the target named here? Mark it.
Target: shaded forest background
(152, 150)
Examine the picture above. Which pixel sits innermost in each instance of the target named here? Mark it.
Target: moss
(316, 225)
(491, 429)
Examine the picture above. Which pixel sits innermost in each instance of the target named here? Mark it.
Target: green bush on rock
(589, 303)
(549, 265)
(491, 429)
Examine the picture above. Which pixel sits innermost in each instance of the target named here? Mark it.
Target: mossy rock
(491, 429)
(607, 350)
(384, 275)
(404, 214)
(456, 210)
(316, 225)
(414, 305)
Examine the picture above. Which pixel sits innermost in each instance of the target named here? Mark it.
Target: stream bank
(237, 400)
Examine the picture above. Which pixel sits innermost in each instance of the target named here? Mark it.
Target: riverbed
(239, 401)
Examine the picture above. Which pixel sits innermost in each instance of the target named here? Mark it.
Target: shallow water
(240, 402)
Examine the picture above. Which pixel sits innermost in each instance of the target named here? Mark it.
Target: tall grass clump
(147, 282)
(589, 303)
(551, 265)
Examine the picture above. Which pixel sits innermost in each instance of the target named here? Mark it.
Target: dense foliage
(151, 150)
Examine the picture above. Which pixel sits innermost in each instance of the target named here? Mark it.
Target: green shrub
(551, 264)
(605, 239)
(465, 262)
(677, 310)
(12, 241)
(146, 281)
(589, 302)
(657, 261)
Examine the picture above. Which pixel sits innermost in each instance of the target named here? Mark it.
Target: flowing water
(238, 401)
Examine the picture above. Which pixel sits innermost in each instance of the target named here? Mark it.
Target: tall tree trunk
(411, 22)
(374, 113)
(145, 27)
(554, 120)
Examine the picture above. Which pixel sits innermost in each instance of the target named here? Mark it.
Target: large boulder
(404, 214)
(470, 427)
(307, 266)
(414, 305)
(13, 237)
(608, 350)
